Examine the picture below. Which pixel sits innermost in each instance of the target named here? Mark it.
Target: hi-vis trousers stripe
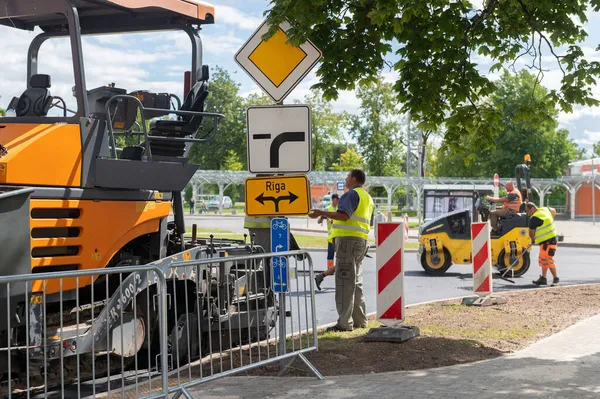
(348, 227)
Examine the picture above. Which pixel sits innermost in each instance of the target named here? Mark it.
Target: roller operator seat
(36, 100)
(187, 124)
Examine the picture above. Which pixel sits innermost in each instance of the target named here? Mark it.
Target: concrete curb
(372, 250)
(577, 245)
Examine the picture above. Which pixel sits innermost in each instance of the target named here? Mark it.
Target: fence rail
(153, 330)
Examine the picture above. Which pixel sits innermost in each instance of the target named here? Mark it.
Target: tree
(231, 161)
(349, 160)
(596, 150)
(223, 98)
(377, 129)
(439, 84)
(2, 112)
(549, 147)
(327, 126)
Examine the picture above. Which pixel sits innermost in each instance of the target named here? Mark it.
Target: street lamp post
(593, 193)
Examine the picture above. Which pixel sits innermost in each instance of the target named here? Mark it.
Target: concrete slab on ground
(561, 366)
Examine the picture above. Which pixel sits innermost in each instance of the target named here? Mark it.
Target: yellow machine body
(67, 233)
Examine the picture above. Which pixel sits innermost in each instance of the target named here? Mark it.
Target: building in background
(583, 198)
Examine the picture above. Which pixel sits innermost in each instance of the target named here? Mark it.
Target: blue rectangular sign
(280, 242)
(341, 185)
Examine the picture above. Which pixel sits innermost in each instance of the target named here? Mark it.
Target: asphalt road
(574, 266)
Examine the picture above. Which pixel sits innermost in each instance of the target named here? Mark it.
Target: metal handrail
(147, 136)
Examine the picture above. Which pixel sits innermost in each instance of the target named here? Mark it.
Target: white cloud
(222, 44)
(233, 16)
(589, 138)
(131, 69)
(566, 119)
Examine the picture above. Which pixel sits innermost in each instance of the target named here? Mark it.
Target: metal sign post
(280, 242)
(593, 193)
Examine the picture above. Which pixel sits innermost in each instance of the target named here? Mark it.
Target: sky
(157, 61)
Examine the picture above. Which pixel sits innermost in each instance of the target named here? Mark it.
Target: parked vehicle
(213, 202)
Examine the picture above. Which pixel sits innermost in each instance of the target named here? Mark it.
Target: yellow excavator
(446, 240)
(70, 199)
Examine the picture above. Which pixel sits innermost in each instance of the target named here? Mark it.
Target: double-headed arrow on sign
(291, 197)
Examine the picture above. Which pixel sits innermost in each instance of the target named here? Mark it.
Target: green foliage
(596, 150)
(530, 126)
(349, 160)
(2, 112)
(231, 161)
(377, 129)
(438, 42)
(188, 192)
(326, 128)
(223, 98)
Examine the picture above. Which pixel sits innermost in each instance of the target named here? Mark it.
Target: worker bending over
(543, 233)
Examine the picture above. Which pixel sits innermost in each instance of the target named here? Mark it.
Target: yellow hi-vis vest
(263, 222)
(359, 223)
(330, 208)
(547, 230)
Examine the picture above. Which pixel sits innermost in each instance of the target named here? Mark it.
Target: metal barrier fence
(64, 328)
(210, 317)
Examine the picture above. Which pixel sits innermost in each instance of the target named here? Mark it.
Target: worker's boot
(555, 281)
(541, 281)
(319, 279)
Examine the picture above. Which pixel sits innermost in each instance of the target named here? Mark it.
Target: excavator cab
(68, 148)
(72, 197)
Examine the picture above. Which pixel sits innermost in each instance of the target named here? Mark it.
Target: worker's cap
(335, 196)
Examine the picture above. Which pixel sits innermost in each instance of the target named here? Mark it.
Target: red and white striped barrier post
(390, 286)
(482, 259)
(405, 227)
(390, 273)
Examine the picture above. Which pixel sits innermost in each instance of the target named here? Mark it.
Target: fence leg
(282, 335)
(311, 367)
(183, 392)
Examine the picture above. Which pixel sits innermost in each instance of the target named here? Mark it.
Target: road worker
(335, 199)
(350, 230)
(543, 233)
(512, 203)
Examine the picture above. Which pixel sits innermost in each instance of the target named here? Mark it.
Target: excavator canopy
(97, 16)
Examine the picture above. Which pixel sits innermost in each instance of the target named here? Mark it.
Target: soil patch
(451, 334)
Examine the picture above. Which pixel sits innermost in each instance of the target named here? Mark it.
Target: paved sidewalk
(564, 365)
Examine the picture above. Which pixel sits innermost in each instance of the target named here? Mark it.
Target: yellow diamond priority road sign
(275, 65)
(277, 195)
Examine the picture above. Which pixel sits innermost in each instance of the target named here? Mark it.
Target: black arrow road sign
(291, 197)
(278, 142)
